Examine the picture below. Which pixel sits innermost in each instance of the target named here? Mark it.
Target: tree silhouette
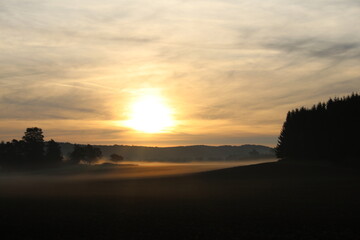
(116, 158)
(13, 154)
(77, 154)
(92, 154)
(29, 152)
(88, 154)
(326, 131)
(33, 135)
(53, 153)
(34, 142)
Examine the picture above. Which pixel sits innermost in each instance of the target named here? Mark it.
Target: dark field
(264, 201)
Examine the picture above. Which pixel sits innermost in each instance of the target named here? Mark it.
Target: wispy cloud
(222, 64)
(314, 48)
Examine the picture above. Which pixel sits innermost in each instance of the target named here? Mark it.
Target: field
(275, 200)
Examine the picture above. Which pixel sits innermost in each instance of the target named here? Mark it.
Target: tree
(327, 131)
(34, 140)
(116, 158)
(88, 154)
(12, 154)
(53, 153)
(92, 154)
(30, 152)
(33, 135)
(77, 154)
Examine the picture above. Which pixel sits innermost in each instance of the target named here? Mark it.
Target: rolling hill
(183, 153)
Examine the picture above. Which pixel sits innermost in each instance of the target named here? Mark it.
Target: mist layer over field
(48, 180)
(277, 200)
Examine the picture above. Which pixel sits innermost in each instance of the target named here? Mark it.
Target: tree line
(32, 151)
(329, 130)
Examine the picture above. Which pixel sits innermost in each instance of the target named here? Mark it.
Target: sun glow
(150, 114)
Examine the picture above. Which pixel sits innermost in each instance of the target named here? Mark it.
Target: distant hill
(183, 153)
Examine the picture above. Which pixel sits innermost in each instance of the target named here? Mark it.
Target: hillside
(183, 153)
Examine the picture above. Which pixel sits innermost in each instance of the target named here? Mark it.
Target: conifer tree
(328, 130)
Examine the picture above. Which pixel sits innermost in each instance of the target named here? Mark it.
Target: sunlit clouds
(220, 72)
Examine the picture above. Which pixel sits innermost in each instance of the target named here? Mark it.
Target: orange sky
(227, 71)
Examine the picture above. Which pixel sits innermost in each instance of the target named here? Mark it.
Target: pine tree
(328, 130)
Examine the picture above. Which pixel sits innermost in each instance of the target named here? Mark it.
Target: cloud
(231, 65)
(317, 48)
(51, 101)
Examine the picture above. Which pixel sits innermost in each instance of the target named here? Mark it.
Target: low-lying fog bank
(105, 178)
(123, 170)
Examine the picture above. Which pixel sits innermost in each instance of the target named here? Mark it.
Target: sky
(228, 70)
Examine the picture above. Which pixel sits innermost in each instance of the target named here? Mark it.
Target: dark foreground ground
(265, 201)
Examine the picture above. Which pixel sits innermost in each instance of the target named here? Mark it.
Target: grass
(265, 201)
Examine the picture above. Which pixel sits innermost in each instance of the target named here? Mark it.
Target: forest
(32, 152)
(326, 131)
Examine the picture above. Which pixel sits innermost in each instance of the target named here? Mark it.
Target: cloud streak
(238, 66)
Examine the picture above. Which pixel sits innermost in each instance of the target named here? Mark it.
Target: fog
(159, 169)
(105, 169)
(82, 179)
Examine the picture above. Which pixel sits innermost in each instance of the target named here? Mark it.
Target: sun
(149, 114)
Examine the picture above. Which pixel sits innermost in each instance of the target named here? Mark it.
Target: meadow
(274, 200)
